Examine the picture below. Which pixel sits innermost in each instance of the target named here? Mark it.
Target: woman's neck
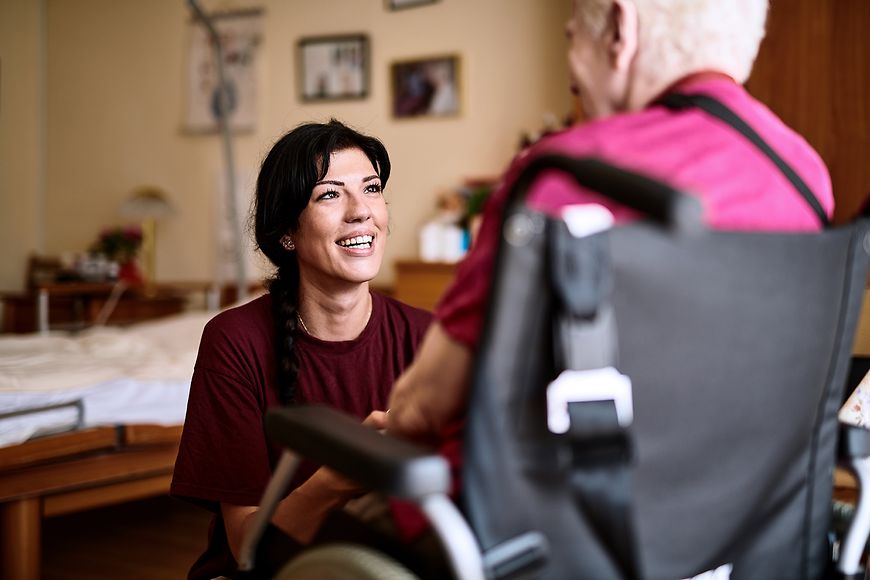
(334, 315)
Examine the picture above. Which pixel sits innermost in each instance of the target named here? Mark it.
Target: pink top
(739, 187)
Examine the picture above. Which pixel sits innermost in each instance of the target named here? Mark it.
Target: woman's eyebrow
(341, 183)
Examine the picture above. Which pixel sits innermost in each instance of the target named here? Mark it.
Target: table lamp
(147, 204)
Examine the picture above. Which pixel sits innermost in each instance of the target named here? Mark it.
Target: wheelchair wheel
(344, 562)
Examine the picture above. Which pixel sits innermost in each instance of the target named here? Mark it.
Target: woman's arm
(300, 514)
(433, 390)
(303, 511)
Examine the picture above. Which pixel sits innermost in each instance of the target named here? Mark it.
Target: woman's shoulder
(238, 341)
(251, 318)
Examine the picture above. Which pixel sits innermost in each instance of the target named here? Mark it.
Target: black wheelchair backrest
(736, 346)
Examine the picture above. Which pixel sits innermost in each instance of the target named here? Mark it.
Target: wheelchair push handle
(655, 200)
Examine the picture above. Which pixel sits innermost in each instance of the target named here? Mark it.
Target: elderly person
(319, 337)
(627, 60)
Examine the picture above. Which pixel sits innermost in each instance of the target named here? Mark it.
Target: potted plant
(121, 245)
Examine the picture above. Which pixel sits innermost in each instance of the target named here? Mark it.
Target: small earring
(288, 243)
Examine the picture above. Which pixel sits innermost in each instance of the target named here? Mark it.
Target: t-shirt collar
(344, 346)
(691, 79)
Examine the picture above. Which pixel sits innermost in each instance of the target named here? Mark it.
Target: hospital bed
(88, 420)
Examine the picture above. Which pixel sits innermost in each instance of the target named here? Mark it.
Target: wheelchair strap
(599, 475)
(680, 101)
(601, 480)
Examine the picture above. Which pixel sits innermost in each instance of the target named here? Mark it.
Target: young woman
(319, 336)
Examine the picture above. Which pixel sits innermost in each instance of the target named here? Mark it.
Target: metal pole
(223, 110)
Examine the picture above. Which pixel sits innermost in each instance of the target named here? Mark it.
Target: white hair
(678, 37)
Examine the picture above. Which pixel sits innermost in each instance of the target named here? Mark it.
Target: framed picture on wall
(400, 4)
(333, 68)
(426, 87)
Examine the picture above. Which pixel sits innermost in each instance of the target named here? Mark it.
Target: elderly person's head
(624, 53)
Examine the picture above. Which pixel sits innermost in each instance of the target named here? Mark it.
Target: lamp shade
(147, 203)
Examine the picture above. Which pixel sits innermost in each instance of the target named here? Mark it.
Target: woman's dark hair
(287, 176)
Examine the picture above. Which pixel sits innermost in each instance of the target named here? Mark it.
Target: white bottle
(431, 242)
(452, 243)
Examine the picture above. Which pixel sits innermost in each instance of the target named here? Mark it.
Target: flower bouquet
(121, 245)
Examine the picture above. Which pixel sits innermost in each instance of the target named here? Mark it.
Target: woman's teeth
(356, 242)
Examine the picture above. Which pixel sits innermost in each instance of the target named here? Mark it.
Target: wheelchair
(654, 400)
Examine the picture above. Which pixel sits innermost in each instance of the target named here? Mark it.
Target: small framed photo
(400, 4)
(333, 68)
(426, 87)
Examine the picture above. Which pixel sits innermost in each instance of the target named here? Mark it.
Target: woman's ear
(624, 31)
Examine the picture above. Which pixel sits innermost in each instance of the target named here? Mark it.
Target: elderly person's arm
(433, 390)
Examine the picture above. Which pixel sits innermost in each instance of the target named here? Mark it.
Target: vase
(130, 274)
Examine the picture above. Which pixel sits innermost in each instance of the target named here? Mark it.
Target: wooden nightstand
(421, 284)
(76, 305)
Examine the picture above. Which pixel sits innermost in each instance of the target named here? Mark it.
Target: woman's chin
(361, 275)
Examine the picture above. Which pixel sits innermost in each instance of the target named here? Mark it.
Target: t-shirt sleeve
(223, 455)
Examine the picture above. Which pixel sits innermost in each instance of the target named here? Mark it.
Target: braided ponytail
(284, 289)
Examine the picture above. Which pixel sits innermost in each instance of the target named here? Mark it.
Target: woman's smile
(357, 242)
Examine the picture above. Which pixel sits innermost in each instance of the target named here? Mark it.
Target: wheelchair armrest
(854, 453)
(379, 462)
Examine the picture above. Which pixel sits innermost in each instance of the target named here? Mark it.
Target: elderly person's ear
(623, 30)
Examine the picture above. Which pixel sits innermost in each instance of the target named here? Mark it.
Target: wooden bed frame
(71, 472)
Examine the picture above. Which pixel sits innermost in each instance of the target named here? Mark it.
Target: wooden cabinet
(73, 306)
(421, 284)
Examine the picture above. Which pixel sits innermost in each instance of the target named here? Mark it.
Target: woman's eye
(374, 188)
(327, 195)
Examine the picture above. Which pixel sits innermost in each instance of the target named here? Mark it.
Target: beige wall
(21, 137)
(115, 96)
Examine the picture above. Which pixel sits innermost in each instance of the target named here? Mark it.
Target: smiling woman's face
(343, 229)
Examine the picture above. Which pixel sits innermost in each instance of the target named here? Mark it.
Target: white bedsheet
(138, 374)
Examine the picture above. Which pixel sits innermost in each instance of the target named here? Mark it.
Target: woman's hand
(330, 481)
(376, 420)
(300, 514)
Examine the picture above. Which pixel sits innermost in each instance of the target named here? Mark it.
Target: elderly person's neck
(334, 312)
(644, 91)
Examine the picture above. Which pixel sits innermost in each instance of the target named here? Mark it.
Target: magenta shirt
(739, 188)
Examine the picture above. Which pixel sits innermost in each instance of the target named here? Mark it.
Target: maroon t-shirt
(224, 454)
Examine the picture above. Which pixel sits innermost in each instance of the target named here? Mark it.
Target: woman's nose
(358, 209)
